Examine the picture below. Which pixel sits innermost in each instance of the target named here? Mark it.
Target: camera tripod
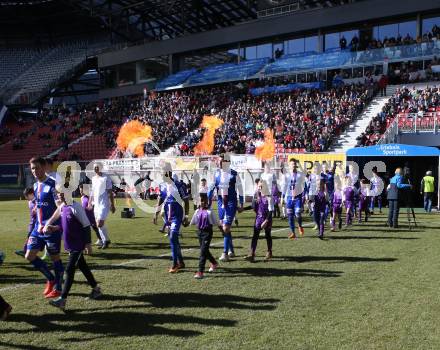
(411, 215)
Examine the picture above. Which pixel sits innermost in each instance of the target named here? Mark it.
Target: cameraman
(394, 195)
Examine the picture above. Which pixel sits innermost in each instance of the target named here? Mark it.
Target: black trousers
(393, 212)
(205, 237)
(256, 236)
(95, 228)
(3, 305)
(76, 259)
(277, 211)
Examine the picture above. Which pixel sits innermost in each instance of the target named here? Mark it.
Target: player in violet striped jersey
(228, 185)
(45, 199)
(175, 200)
(292, 196)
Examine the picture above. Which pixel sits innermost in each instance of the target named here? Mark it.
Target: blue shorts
(226, 215)
(294, 205)
(52, 242)
(175, 219)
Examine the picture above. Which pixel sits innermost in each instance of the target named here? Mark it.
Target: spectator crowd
(406, 102)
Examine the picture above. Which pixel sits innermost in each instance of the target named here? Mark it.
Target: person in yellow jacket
(427, 189)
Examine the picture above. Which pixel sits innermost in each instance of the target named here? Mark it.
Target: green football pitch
(367, 287)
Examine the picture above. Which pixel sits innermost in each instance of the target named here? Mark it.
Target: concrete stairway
(347, 140)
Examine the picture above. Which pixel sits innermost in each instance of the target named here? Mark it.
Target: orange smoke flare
(206, 144)
(132, 136)
(267, 150)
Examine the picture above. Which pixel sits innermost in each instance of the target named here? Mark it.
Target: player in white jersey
(293, 196)
(103, 202)
(313, 186)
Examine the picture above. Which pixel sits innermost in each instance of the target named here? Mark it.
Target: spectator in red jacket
(383, 82)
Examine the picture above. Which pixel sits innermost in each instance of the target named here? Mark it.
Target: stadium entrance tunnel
(419, 159)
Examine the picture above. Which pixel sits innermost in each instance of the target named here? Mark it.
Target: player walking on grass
(102, 202)
(228, 185)
(321, 207)
(293, 192)
(336, 201)
(263, 207)
(29, 195)
(205, 219)
(348, 200)
(176, 207)
(45, 200)
(76, 233)
(364, 190)
(376, 182)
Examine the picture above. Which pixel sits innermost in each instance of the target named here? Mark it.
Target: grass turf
(368, 287)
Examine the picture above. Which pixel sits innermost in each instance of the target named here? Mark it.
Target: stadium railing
(411, 123)
(345, 58)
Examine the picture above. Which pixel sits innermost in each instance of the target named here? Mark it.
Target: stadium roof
(141, 20)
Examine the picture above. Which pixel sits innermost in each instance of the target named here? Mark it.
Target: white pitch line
(192, 249)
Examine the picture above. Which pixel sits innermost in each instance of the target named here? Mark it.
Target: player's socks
(59, 270)
(45, 255)
(300, 220)
(95, 228)
(231, 252)
(104, 234)
(41, 266)
(226, 243)
(291, 220)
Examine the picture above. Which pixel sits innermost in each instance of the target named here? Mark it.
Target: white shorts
(101, 212)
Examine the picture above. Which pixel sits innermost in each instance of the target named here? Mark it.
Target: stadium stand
(393, 49)
(228, 72)
(175, 79)
(302, 120)
(308, 62)
(40, 70)
(14, 61)
(413, 107)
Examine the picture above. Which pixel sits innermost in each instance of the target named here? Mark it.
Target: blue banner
(394, 150)
(286, 88)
